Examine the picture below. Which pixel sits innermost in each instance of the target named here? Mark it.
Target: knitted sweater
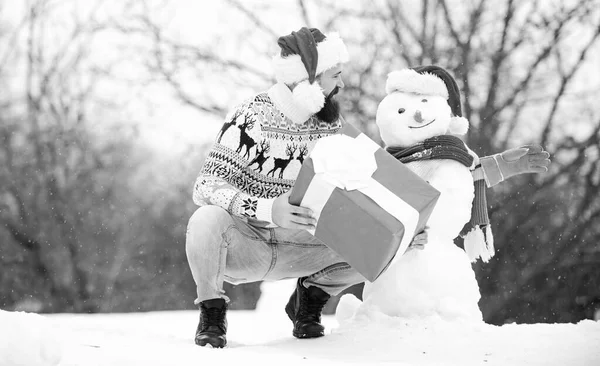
(258, 153)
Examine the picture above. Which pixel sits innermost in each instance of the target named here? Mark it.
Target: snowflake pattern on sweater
(256, 157)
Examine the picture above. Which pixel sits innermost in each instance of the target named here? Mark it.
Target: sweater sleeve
(215, 185)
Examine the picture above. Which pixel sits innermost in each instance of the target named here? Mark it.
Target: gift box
(368, 205)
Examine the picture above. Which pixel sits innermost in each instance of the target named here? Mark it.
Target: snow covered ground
(264, 337)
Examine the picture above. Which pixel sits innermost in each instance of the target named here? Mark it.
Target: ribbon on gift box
(348, 163)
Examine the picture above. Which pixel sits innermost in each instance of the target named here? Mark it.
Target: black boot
(213, 323)
(304, 310)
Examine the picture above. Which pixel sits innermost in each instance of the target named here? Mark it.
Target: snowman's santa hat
(430, 80)
(304, 55)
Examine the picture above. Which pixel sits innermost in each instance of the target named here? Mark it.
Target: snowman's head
(417, 107)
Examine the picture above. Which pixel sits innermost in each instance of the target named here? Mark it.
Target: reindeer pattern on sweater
(257, 156)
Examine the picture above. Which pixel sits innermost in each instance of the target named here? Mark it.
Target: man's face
(331, 79)
(331, 82)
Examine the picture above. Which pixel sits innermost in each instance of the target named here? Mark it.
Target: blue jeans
(221, 247)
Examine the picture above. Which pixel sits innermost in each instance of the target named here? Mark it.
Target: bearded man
(245, 229)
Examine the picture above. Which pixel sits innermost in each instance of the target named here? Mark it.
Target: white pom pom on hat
(458, 125)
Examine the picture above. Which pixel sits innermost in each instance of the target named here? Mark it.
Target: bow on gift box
(345, 162)
(348, 163)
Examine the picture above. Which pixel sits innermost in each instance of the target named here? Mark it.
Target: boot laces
(311, 308)
(213, 317)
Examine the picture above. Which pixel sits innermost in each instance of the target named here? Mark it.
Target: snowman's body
(438, 280)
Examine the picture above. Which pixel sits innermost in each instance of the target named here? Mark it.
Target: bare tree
(57, 171)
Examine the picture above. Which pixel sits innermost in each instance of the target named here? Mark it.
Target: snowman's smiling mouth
(427, 124)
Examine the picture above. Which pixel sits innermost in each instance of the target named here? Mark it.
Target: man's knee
(207, 223)
(209, 216)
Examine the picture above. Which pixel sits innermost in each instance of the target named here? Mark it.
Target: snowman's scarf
(477, 233)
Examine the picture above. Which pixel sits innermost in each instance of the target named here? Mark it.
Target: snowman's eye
(401, 110)
(424, 100)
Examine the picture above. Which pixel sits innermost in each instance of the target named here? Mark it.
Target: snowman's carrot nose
(418, 117)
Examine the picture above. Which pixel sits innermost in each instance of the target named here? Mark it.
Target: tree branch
(255, 19)
(497, 60)
(450, 23)
(302, 6)
(177, 87)
(423, 37)
(565, 79)
(11, 44)
(512, 124)
(395, 18)
(19, 235)
(542, 56)
(465, 66)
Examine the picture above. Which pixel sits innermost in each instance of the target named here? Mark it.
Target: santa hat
(431, 80)
(304, 55)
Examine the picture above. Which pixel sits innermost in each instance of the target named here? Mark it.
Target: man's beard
(331, 109)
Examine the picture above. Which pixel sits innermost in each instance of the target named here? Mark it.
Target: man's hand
(289, 216)
(524, 159)
(418, 241)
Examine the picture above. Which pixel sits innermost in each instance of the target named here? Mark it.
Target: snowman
(419, 121)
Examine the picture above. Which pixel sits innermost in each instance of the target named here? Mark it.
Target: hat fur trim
(309, 96)
(290, 69)
(410, 81)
